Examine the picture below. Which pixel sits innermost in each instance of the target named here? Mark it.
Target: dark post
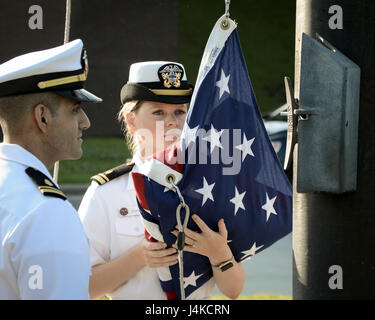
(337, 232)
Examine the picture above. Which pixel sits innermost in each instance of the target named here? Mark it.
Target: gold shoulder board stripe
(45, 184)
(109, 175)
(103, 176)
(98, 179)
(53, 190)
(50, 189)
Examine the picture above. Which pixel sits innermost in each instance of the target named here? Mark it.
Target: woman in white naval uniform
(113, 226)
(123, 261)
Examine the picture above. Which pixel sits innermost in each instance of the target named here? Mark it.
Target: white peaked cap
(61, 69)
(161, 81)
(148, 71)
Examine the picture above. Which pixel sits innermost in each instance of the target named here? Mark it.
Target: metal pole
(338, 230)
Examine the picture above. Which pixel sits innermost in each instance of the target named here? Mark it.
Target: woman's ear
(129, 120)
(41, 116)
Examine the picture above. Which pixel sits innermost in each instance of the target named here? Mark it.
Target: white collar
(138, 162)
(16, 153)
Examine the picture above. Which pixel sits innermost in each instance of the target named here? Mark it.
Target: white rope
(181, 235)
(227, 5)
(67, 20)
(225, 22)
(66, 40)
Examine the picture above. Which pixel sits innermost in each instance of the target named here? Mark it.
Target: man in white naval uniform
(44, 253)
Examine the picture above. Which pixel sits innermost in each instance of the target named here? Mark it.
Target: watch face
(227, 266)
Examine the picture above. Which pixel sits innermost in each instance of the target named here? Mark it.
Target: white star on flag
(223, 84)
(213, 137)
(189, 134)
(245, 147)
(206, 191)
(251, 252)
(191, 280)
(268, 206)
(237, 200)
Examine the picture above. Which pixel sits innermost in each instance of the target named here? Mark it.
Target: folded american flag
(224, 165)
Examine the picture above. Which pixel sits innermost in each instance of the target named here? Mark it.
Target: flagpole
(333, 234)
(66, 40)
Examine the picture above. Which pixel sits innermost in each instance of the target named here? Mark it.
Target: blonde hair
(127, 108)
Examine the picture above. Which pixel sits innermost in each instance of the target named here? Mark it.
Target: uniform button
(124, 211)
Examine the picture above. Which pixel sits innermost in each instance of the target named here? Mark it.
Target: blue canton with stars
(238, 178)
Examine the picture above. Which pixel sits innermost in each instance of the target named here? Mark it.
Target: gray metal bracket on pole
(324, 121)
(294, 114)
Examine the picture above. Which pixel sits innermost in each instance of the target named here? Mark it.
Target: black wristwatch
(225, 265)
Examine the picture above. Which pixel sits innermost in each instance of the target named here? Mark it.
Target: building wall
(115, 34)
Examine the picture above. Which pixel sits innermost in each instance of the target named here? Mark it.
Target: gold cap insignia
(171, 75)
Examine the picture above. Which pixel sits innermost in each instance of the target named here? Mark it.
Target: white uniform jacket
(113, 225)
(44, 253)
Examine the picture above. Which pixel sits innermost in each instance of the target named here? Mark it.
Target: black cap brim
(80, 95)
(136, 91)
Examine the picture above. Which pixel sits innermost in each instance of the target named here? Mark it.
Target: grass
(99, 154)
(267, 34)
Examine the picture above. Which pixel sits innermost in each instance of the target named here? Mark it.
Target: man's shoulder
(27, 193)
(19, 194)
(50, 218)
(44, 184)
(43, 219)
(25, 183)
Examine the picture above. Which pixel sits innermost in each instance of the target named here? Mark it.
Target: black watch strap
(225, 265)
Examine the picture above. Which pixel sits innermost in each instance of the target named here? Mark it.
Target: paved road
(269, 272)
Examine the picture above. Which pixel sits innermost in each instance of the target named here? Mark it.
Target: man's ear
(42, 117)
(129, 120)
